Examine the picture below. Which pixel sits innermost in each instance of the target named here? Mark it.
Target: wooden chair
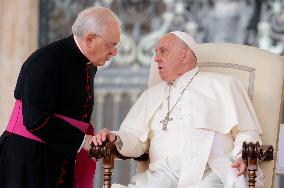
(261, 73)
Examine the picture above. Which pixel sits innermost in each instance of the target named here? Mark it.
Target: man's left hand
(240, 165)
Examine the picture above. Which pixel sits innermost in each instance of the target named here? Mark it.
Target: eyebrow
(115, 44)
(160, 48)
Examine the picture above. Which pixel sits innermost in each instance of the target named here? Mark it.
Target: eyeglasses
(110, 45)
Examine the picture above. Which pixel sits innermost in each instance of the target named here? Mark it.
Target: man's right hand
(102, 136)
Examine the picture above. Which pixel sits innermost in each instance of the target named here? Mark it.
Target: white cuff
(82, 144)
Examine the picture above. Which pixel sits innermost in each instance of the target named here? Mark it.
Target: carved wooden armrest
(107, 151)
(251, 153)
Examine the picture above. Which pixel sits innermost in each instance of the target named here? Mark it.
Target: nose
(113, 51)
(157, 59)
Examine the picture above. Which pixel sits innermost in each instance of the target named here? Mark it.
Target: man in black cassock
(55, 83)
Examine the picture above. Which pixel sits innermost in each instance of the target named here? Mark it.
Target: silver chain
(180, 94)
(167, 117)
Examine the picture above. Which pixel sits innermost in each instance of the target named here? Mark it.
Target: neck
(182, 72)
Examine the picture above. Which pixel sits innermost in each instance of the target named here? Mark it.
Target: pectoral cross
(165, 122)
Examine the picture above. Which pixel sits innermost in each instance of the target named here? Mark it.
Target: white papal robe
(210, 122)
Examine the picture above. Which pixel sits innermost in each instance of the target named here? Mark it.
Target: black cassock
(54, 79)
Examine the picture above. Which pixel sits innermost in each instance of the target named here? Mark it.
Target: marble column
(117, 96)
(99, 111)
(18, 39)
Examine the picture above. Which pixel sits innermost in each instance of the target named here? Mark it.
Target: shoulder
(44, 63)
(211, 78)
(155, 89)
(152, 92)
(215, 84)
(46, 57)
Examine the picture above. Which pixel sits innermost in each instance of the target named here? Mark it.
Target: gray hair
(93, 19)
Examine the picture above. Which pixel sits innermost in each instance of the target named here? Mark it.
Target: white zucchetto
(187, 39)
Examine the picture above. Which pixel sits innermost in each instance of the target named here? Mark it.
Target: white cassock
(210, 122)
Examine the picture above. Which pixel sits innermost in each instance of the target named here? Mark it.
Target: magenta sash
(84, 167)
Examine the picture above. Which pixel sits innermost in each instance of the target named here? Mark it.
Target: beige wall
(18, 39)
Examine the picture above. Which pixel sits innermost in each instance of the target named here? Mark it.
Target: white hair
(93, 19)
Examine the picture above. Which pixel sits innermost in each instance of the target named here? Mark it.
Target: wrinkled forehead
(169, 41)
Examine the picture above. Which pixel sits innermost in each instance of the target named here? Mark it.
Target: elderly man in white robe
(192, 124)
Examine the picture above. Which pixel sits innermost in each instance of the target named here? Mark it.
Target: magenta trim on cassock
(84, 167)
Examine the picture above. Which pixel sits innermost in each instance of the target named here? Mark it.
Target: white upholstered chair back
(261, 73)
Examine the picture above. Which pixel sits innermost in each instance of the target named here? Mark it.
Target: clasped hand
(240, 165)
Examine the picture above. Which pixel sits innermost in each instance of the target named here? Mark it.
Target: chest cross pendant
(165, 122)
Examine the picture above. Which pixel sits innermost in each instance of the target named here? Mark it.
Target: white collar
(76, 41)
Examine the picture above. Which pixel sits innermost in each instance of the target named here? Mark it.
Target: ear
(192, 57)
(186, 56)
(89, 39)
